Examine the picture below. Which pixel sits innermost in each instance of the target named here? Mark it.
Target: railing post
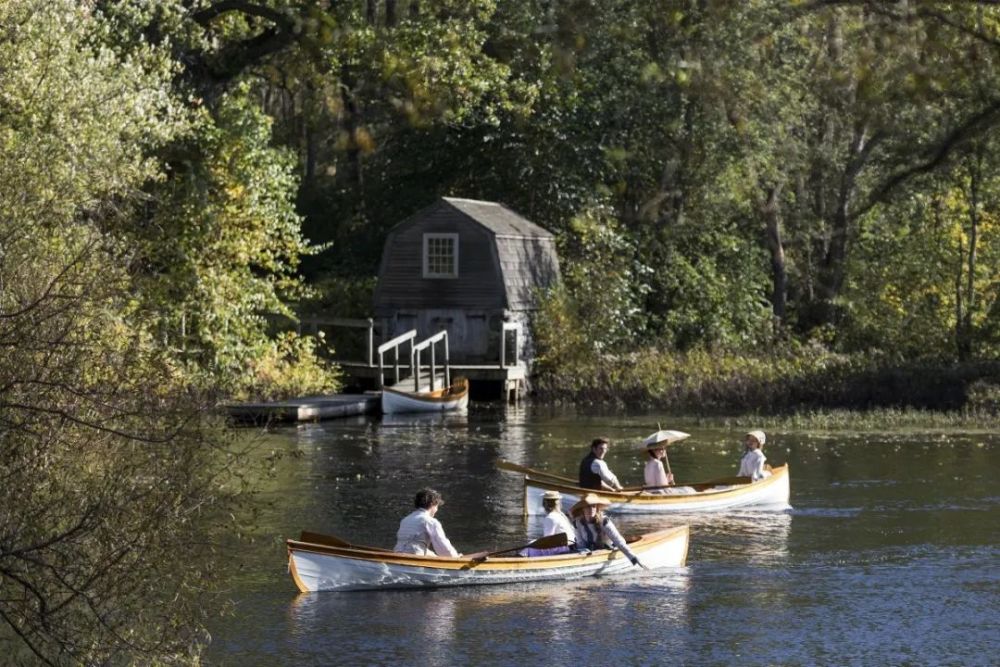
(447, 362)
(415, 367)
(433, 365)
(503, 346)
(371, 341)
(381, 372)
(395, 350)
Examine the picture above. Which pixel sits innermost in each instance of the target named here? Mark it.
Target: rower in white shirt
(420, 533)
(752, 463)
(555, 522)
(594, 472)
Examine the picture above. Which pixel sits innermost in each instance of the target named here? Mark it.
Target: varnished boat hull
(316, 567)
(769, 493)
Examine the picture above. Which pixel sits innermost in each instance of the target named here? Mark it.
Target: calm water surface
(889, 557)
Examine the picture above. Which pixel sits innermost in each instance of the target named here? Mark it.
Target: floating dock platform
(306, 408)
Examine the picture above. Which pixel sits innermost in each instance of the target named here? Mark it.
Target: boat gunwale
(645, 498)
(641, 544)
(456, 391)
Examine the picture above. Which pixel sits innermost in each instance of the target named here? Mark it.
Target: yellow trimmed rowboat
(772, 492)
(326, 563)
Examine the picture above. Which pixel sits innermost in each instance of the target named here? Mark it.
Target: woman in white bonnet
(752, 463)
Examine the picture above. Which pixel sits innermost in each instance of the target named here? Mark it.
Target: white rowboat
(326, 563)
(772, 492)
(455, 397)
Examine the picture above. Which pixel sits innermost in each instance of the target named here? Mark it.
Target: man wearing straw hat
(594, 472)
(596, 531)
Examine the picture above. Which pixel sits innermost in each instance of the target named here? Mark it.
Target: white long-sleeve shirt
(655, 475)
(420, 533)
(556, 522)
(752, 465)
(600, 468)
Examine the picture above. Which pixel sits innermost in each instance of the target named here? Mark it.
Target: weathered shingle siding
(528, 265)
(401, 281)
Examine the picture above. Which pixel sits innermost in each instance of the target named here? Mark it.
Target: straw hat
(663, 438)
(589, 500)
(551, 495)
(759, 435)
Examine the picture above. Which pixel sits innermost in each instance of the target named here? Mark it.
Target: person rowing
(554, 523)
(594, 471)
(420, 532)
(594, 530)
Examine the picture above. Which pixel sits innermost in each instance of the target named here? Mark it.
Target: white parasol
(662, 438)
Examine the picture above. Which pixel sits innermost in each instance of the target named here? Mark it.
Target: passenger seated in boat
(594, 472)
(658, 480)
(655, 475)
(596, 531)
(752, 463)
(420, 533)
(555, 522)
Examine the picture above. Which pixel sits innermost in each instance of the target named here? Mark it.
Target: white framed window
(440, 255)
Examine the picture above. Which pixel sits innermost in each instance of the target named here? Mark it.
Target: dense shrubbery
(786, 376)
(702, 381)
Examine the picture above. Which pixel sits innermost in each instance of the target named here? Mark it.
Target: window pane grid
(440, 258)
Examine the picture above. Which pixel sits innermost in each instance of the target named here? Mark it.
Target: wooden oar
(547, 542)
(525, 470)
(331, 541)
(514, 467)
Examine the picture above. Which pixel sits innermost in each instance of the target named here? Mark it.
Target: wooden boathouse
(465, 271)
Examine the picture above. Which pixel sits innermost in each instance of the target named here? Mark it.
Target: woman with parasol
(658, 479)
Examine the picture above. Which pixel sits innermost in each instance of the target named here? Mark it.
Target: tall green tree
(106, 464)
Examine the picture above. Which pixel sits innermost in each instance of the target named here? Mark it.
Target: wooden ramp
(306, 408)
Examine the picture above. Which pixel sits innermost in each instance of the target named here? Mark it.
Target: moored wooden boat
(453, 397)
(772, 492)
(326, 563)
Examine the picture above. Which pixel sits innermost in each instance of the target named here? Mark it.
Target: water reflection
(425, 419)
(544, 622)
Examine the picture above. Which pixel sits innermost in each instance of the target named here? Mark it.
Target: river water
(889, 556)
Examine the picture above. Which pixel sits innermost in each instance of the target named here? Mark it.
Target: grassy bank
(803, 383)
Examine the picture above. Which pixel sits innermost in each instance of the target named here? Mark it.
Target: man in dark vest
(594, 472)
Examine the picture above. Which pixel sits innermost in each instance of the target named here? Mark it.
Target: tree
(106, 462)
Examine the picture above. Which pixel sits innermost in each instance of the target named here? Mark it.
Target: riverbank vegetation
(760, 205)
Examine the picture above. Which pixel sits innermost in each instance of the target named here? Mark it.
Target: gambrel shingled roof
(498, 218)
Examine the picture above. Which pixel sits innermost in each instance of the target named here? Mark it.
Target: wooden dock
(306, 408)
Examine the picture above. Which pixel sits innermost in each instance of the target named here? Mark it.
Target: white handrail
(398, 340)
(415, 351)
(394, 346)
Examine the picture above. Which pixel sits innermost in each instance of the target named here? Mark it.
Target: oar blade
(550, 541)
(547, 542)
(512, 467)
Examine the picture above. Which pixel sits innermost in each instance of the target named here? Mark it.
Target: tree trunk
(772, 220)
(963, 323)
